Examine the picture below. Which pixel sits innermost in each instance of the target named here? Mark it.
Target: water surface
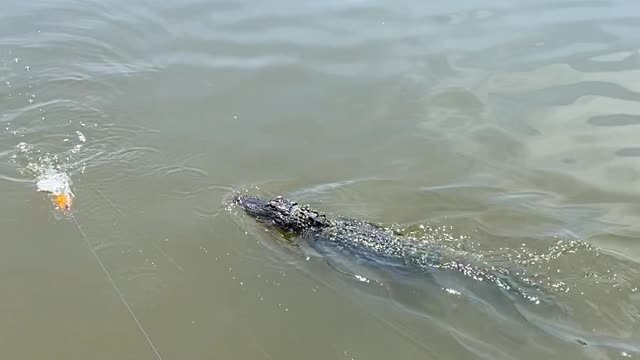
(508, 130)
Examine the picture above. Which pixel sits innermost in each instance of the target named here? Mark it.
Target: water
(505, 129)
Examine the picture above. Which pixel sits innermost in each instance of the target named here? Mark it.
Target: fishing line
(110, 202)
(115, 287)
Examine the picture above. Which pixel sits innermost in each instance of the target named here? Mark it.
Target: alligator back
(375, 245)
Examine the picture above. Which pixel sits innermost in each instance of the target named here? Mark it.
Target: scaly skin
(371, 242)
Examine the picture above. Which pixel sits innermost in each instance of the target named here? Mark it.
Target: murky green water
(506, 129)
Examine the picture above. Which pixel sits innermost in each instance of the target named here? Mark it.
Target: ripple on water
(540, 99)
(579, 277)
(614, 120)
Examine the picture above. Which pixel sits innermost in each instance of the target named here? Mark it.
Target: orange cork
(63, 201)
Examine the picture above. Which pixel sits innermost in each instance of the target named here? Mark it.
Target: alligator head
(284, 214)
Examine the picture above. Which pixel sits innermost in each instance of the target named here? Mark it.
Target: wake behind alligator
(379, 245)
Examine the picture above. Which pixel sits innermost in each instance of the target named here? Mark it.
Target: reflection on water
(506, 132)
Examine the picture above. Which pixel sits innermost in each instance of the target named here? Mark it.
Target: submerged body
(373, 243)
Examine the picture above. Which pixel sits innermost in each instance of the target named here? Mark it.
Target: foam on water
(51, 171)
(54, 181)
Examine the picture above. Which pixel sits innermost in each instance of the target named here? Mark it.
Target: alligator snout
(250, 204)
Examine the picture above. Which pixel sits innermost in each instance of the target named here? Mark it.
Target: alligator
(374, 243)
